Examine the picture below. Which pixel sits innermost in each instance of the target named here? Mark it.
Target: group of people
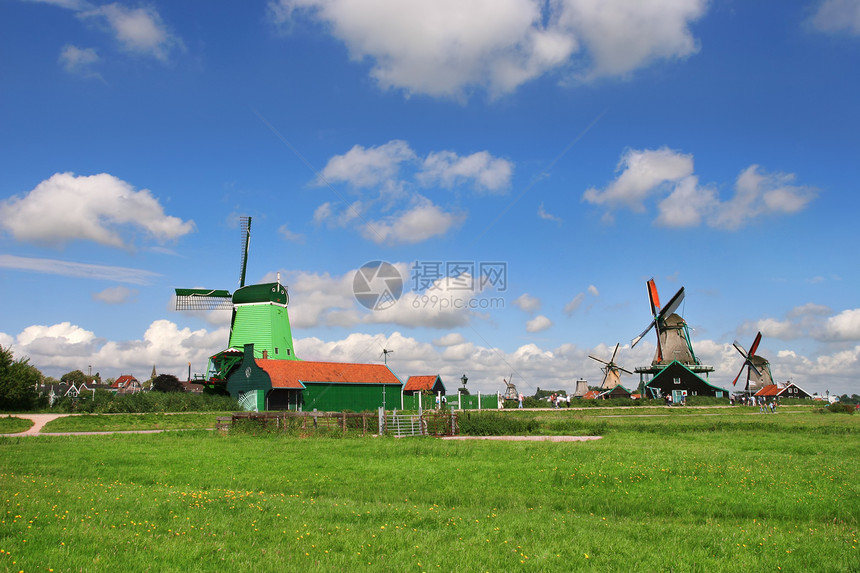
(763, 405)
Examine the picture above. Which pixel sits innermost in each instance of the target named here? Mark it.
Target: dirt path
(39, 421)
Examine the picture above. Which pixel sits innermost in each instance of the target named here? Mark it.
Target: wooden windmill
(510, 389)
(758, 368)
(260, 316)
(611, 370)
(673, 337)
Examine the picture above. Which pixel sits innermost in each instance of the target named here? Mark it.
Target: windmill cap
(262, 293)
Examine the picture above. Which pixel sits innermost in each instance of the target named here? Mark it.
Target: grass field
(703, 493)
(12, 425)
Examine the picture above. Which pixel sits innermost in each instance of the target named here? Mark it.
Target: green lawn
(129, 422)
(740, 493)
(13, 425)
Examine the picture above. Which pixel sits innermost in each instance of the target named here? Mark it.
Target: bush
(837, 408)
(104, 402)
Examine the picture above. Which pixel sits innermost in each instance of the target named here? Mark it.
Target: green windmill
(260, 317)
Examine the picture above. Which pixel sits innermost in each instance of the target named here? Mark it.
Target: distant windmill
(611, 371)
(758, 368)
(260, 316)
(673, 338)
(510, 390)
(385, 352)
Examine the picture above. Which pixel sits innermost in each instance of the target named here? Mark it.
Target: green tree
(75, 377)
(167, 383)
(18, 382)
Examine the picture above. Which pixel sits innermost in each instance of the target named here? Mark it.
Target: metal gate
(428, 423)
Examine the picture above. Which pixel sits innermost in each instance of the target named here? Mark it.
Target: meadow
(695, 492)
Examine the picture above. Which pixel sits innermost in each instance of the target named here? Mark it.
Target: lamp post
(464, 380)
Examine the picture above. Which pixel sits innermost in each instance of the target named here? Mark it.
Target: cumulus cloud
(449, 47)
(100, 208)
(447, 169)
(837, 16)
(79, 61)
(289, 235)
(390, 210)
(138, 30)
(538, 324)
(844, 326)
(527, 303)
(648, 174)
(420, 222)
(115, 295)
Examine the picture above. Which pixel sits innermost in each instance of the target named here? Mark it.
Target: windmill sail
(758, 368)
(203, 299)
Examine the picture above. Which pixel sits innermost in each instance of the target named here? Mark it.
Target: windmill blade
(203, 299)
(673, 304)
(740, 349)
(624, 370)
(245, 226)
(601, 360)
(753, 366)
(744, 365)
(614, 352)
(653, 297)
(644, 332)
(755, 344)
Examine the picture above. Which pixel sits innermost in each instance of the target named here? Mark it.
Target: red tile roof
(769, 390)
(418, 383)
(123, 381)
(591, 395)
(292, 373)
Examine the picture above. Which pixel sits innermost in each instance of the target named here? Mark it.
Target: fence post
(479, 401)
(381, 420)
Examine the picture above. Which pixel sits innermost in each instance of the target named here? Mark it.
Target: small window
(288, 351)
(677, 381)
(276, 350)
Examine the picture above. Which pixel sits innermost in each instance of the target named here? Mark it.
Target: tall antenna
(386, 352)
(245, 224)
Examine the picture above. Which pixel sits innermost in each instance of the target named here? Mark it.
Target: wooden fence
(429, 423)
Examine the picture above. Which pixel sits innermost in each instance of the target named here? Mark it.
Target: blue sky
(586, 145)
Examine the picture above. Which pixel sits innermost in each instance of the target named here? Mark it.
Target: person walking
(521, 400)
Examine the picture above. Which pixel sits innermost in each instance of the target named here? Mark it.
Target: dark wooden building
(679, 382)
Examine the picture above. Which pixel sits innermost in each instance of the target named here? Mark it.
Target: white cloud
(593, 290)
(758, 193)
(844, 326)
(538, 324)
(79, 61)
(527, 303)
(448, 169)
(420, 222)
(837, 16)
(285, 232)
(115, 295)
(70, 269)
(573, 305)
(686, 203)
(543, 214)
(100, 208)
(138, 30)
(448, 47)
(367, 167)
(642, 173)
(450, 339)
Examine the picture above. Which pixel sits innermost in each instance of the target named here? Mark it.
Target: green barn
(267, 384)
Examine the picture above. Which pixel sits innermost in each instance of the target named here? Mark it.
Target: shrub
(837, 408)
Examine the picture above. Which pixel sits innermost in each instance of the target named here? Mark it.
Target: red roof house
(430, 384)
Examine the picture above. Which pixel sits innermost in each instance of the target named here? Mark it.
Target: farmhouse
(617, 392)
(787, 390)
(428, 384)
(126, 384)
(266, 384)
(678, 381)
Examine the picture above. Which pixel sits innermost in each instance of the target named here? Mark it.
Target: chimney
(265, 355)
